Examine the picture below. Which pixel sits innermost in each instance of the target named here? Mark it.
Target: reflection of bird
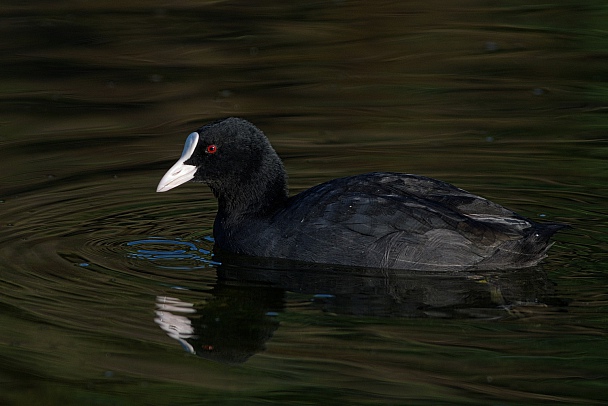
(234, 320)
(232, 324)
(176, 326)
(381, 220)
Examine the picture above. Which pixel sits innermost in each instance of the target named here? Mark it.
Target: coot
(378, 220)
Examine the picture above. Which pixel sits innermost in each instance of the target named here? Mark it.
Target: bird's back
(392, 220)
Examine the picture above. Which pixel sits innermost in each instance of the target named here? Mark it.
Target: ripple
(70, 237)
(174, 254)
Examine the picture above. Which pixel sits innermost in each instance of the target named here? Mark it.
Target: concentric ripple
(172, 253)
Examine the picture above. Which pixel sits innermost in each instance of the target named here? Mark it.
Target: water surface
(110, 293)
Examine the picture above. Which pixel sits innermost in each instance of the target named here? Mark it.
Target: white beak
(180, 172)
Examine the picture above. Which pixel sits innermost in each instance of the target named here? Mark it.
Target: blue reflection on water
(176, 252)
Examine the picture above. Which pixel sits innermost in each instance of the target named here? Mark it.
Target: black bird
(378, 220)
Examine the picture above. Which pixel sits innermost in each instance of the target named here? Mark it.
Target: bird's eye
(211, 149)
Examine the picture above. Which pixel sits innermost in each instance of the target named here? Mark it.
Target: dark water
(110, 294)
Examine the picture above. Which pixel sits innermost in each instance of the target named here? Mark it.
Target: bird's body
(377, 220)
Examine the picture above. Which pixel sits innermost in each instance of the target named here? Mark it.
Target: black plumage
(379, 220)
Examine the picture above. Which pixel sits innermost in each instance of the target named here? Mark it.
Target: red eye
(211, 149)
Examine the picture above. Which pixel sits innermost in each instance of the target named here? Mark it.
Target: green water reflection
(507, 100)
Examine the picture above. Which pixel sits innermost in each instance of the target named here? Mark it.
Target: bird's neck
(259, 195)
